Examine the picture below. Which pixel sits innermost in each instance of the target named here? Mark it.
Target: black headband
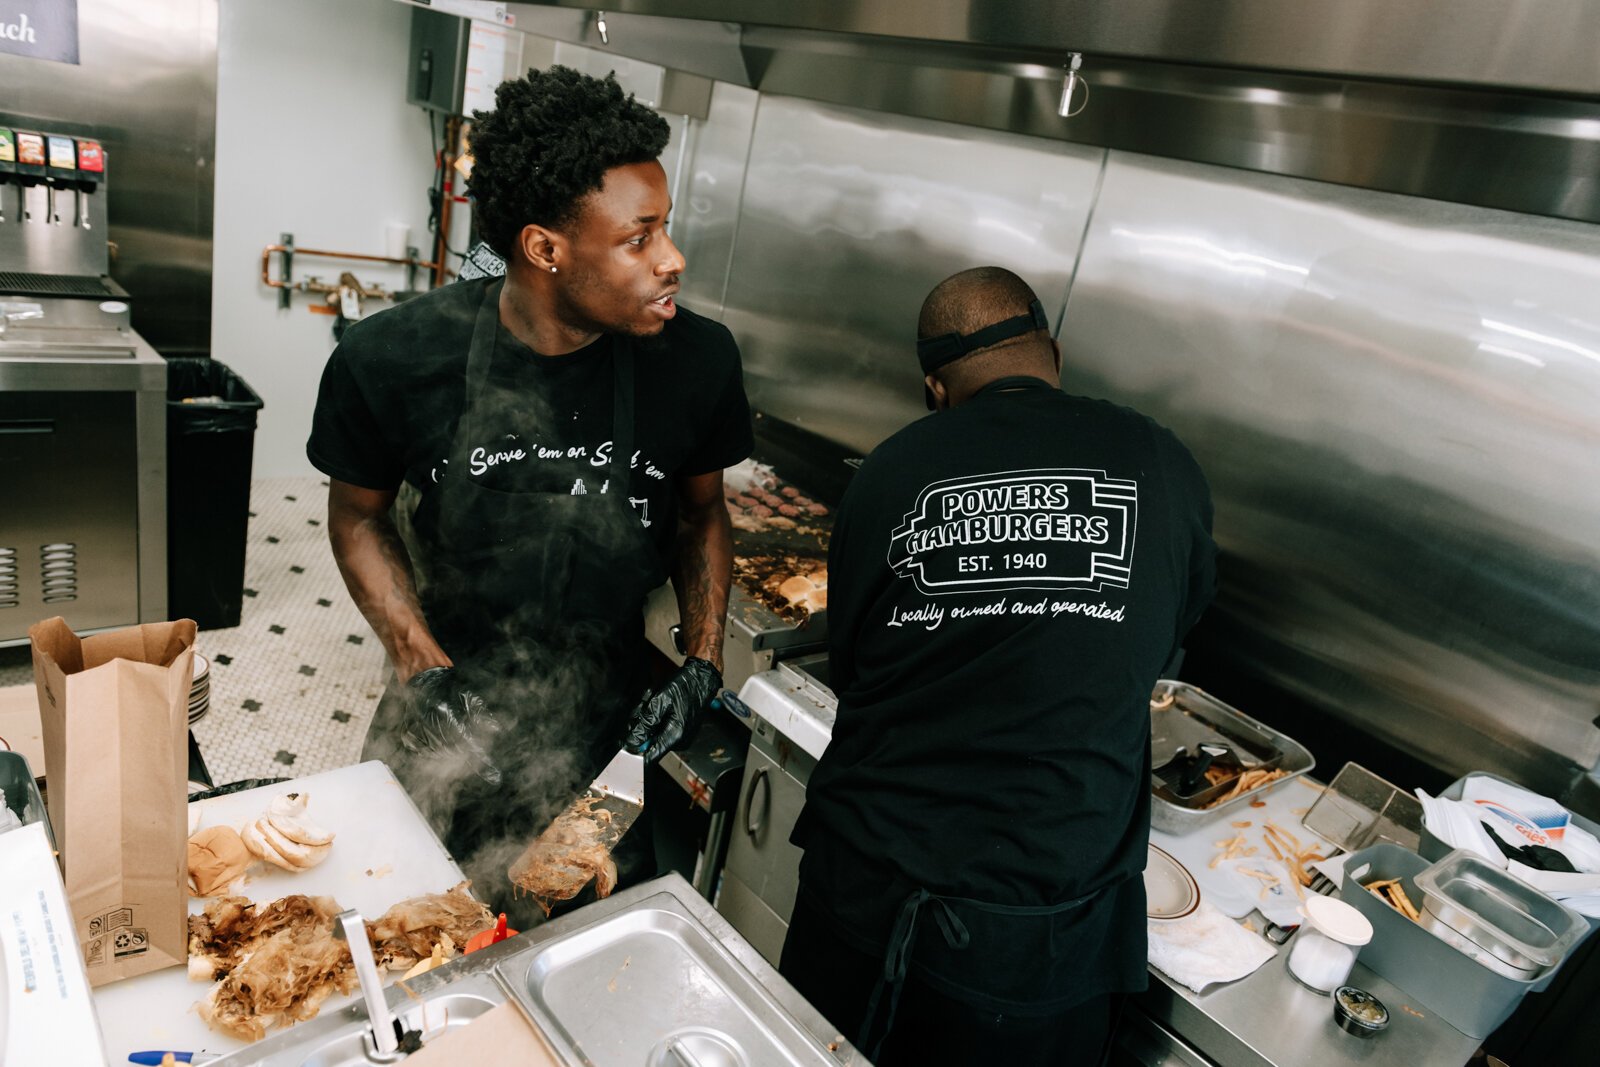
(935, 352)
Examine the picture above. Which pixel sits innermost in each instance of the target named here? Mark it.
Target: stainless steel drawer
(753, 917)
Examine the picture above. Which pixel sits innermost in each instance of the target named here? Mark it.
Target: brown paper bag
(114, 709)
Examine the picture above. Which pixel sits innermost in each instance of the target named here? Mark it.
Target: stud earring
(552, 270)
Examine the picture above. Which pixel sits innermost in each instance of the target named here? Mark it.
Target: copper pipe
(268, 252)
(452, 137)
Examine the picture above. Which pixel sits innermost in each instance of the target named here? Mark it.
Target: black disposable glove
(448, 719)
(663, 720)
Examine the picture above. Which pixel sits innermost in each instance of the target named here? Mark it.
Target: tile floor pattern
(294, 685)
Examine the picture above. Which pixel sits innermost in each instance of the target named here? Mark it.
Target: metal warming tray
(1195, 716)
(653, 987)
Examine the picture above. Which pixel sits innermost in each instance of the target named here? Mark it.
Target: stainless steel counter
(471, 984)
(1264, 1020)
(1270, 1020)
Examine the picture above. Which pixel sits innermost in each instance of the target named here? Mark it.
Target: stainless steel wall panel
(849, 218)
(1397, 402)
(147, 89)
(705, 216)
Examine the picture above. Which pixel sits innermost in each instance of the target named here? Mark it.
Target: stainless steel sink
(652, 986)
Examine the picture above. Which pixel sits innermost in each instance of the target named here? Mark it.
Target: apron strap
(622, 399)
(480, 356)
(897, 960)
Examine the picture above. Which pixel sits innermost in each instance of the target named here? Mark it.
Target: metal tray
(652, 987)
(344, 1038)
(1194, 713)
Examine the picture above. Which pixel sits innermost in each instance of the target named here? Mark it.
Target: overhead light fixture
(1069, 86)
(600, 26)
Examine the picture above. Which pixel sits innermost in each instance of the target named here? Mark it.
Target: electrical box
(438, 60)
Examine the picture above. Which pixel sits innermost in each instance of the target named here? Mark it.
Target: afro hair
(547, 144)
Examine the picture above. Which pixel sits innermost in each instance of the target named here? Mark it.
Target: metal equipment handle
(352, 929)
(753, 829)
(681, 1053)
(27, 426)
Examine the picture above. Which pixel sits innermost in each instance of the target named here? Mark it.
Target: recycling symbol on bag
(124, 939)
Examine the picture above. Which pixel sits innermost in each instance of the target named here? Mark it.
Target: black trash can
(211, 431)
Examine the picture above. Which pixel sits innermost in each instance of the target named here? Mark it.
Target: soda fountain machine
(82, 402)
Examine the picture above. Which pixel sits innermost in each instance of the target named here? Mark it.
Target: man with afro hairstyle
(564, 430)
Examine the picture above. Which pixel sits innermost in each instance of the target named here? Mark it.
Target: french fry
(1406, 907)
(1249, 780)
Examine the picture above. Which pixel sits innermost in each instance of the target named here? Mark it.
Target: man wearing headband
(1008, 579)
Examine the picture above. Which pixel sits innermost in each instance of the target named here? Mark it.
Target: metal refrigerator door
(69, 518)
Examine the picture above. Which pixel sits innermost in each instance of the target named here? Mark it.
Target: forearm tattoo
(702, 575)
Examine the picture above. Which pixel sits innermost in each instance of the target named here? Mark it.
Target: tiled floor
(294, 685)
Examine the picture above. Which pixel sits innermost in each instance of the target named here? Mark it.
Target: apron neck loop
(480, 357)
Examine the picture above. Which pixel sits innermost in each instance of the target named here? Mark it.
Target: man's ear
(544, 249)
(941, 396)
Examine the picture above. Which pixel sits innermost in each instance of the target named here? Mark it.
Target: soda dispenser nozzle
(30, 165)
(91, 172)
(8, 166)
(61, 172)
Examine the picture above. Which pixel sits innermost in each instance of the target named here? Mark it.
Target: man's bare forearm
(377, 571)
(701, 576)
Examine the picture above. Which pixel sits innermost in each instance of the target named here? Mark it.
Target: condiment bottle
(1325, 948)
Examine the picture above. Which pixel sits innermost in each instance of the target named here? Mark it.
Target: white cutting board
(383, 854)
(1286, 804)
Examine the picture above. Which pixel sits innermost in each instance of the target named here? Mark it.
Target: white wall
(315, 138)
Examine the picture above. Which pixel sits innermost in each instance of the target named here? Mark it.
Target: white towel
(1205, 948)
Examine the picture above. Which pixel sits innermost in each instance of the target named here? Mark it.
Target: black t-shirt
(1007, 579)
(392, 395)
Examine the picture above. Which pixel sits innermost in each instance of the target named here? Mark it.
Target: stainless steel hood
(1541, 45)
(1381, 96)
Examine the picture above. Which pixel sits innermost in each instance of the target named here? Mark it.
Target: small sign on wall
(40, 29)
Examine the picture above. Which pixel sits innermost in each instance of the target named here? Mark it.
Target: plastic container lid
(1496, 902)
(1337, 920)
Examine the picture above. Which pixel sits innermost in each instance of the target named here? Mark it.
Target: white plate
(1170, 891)
(201, 666)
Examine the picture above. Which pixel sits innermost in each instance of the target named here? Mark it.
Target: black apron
(538, 599)
(1008, 959)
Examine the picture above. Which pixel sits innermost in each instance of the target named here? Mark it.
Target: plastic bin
(211, 431)
(1459, 990)
(1434, 849)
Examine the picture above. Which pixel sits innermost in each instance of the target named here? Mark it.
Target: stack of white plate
(200, 691)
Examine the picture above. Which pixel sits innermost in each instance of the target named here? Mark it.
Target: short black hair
(967, 302)
(547, 144)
